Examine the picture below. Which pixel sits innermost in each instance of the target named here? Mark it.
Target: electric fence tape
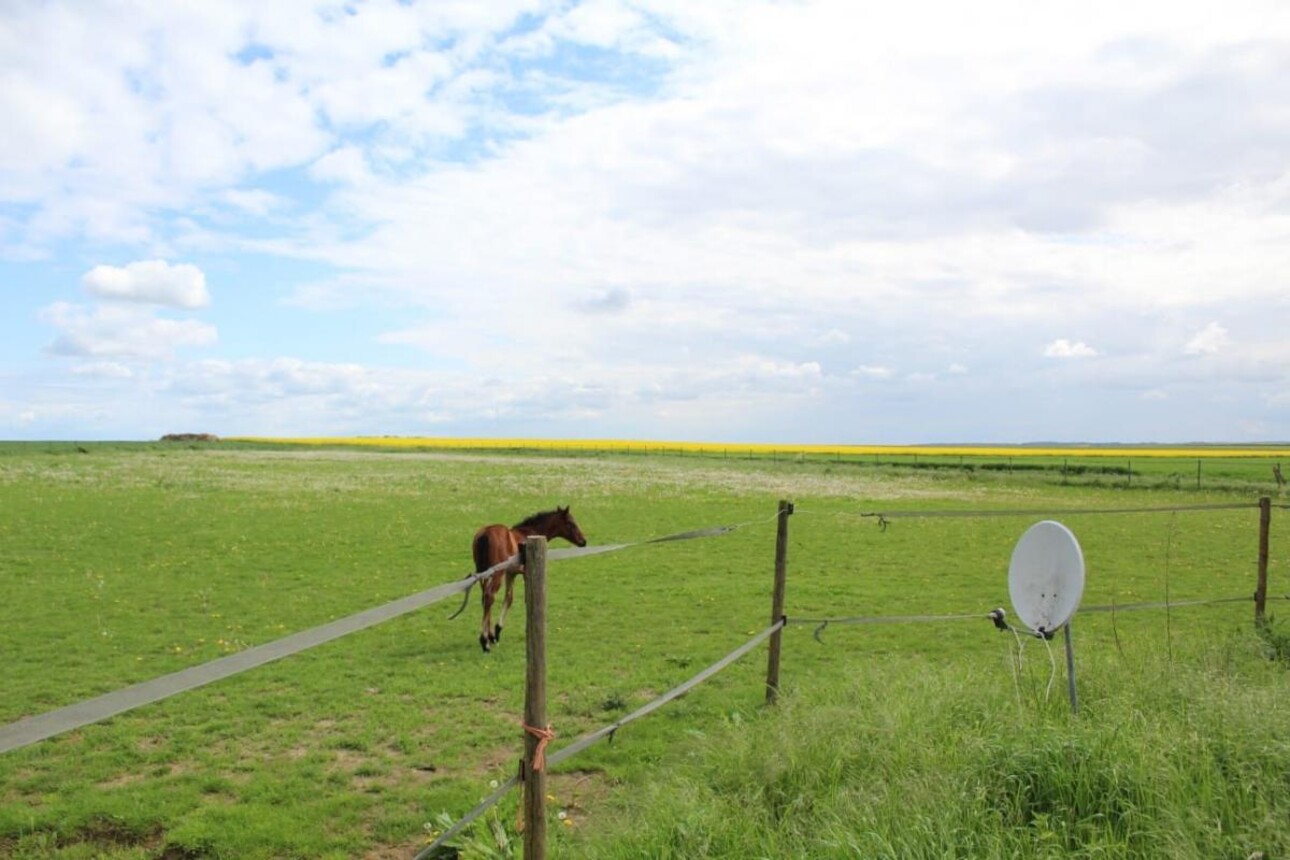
(883, 516)
(608, 731)
(588, 740)
(30, 730)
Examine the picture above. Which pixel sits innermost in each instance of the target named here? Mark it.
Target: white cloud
(252, 201)
(258, 380)
(113, 331)
(762, 368)
(834, 337)
(103, 370)
(346, 165)
(603, 23)
(1063, 348)
(688, 196)
(1211, 340)
(153, 282)
(611, 301)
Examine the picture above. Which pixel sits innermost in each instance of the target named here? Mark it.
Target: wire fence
(608, 731)
(996, 616)
(592, 738)
(33, 729)
(885, 517)
(1055, 512)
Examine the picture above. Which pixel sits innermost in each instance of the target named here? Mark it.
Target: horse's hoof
(483, 642)
(497, 633)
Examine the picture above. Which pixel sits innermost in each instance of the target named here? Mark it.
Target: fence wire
(595, 737)
(608, 731)
(884, 516)
(30, 730)
(823, 623)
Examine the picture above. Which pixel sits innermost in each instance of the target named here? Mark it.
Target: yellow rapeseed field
(718, 448)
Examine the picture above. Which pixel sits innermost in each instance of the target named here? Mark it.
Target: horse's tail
(465, 598)
(480, 551)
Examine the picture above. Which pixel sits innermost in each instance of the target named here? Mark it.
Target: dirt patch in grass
(578, 794)
(114, 833)
(101, 835)
(347, 760)
(122, 780)
(502, 760)
(394, 852)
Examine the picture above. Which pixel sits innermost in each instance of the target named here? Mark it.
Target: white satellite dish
(1046, 577)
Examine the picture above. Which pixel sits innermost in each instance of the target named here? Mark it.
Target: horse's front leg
(506, 605)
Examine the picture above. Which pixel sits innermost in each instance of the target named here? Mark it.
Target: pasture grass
(1168, 760)
(126, 562)
(1165, 466)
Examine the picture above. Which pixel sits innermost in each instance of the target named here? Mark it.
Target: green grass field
(119, 563)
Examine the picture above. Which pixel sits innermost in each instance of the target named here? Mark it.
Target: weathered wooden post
(536, 730)
(777, 600)
(1261, 591)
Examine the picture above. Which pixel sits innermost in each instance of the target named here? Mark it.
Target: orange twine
(544, 737)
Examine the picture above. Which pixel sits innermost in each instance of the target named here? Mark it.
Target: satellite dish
(1046, 577)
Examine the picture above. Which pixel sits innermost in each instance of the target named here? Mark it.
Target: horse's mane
(535, 519)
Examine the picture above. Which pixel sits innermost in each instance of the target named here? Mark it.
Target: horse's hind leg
(506, 605)
(488, 595)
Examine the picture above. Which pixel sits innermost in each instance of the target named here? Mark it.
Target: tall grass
(911, 759)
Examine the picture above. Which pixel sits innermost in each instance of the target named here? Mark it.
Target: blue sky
(729, 221)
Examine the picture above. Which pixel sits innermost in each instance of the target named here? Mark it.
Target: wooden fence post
(534, 778)
(1261, 591)
(777, 601)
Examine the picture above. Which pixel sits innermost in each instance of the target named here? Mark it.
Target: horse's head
(567, 528)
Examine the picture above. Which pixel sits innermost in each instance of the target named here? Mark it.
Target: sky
(819, 221)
